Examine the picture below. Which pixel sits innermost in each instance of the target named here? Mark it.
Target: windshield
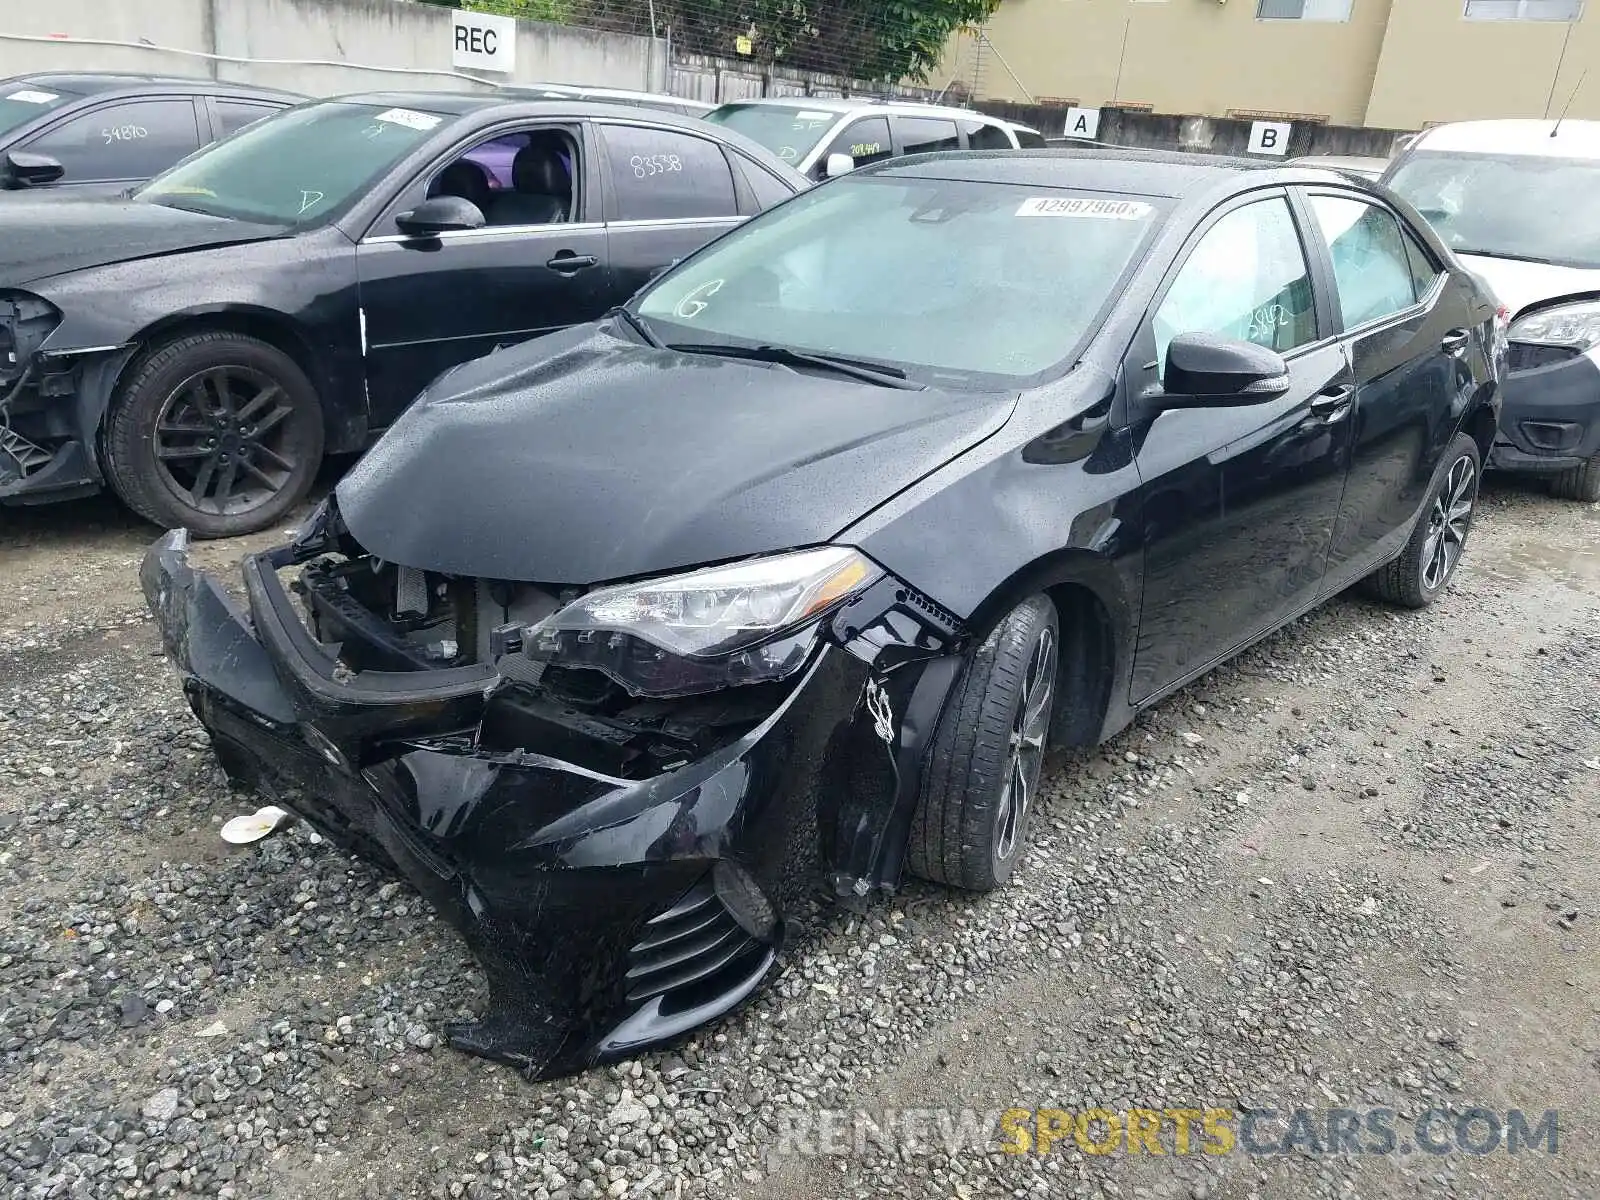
(789, 132)
(301, 167)
(21, 103)
(1510, 206)
(957, 283)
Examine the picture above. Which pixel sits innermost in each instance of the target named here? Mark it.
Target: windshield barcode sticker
(29, 96)
(410, 119)
(1078, 206)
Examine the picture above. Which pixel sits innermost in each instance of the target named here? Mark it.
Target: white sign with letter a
(1082, 123)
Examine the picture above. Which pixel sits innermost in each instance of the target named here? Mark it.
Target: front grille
(690, 952)
(1525, 356)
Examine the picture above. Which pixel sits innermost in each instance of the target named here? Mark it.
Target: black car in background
(621, 642)
(99, 134)
(286, 293)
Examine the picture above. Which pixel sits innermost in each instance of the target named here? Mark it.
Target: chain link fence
(816, 47)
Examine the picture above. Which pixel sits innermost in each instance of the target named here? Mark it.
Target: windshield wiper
(878, 373)
(635, 324)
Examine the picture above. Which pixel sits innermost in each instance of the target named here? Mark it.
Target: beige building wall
(1437, 66)
(1178, 56)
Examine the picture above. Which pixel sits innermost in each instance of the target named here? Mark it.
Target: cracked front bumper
(607, 914)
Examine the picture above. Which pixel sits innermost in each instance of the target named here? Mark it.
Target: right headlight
(1573, 325)
(746, 622)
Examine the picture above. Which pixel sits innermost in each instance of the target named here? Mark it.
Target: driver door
(1239, 503)
(429, 304)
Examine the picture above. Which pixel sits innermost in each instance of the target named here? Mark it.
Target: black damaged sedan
(622, 644)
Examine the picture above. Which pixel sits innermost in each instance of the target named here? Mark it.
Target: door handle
(1455, 341)
(567, 262)
(1333, 403)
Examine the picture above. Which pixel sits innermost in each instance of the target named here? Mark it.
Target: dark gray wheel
(217, 432)
(1578, 483)
(983, 769)
(1424, 568)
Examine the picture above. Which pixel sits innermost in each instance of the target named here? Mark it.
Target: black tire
(240, 432)
(1578, 483)
(967, 831)
(1425, 567)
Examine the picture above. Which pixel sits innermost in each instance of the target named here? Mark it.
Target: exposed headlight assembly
(747, 622)
(1574, 325)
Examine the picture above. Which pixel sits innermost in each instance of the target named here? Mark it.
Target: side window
(923, 135)
(657, 174)
(525, 177)
(866, 141)
(1370, 264)
(130, 141)
(1246, 278)
(1423, 269)
(234, 115)
(763, 184)
(981, 136)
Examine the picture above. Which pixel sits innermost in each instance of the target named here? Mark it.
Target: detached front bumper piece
(1550, 416)
(607, 914)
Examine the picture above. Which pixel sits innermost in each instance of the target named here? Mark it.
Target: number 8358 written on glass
(646, 165)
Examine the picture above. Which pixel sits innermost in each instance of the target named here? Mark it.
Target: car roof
(913, 108)
(1571, 138)
(1138, 172)
(584, 91)
(95, 83)
(460, 104)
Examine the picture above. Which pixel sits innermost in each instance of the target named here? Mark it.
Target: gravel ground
(1358, 867)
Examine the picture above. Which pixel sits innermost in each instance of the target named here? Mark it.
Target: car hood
(582, 458)
(45, 236)
(1519, 284)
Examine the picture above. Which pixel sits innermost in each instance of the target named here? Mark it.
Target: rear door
(1239, 503)
(115, 145)
(1407, 335)
(667, 193)
(431, 303)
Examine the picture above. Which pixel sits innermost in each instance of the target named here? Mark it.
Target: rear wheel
(217, 432)
(1426, 565)
(1578, 483)
(983, 768)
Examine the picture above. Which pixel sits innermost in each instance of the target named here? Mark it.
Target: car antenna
(1556, 128)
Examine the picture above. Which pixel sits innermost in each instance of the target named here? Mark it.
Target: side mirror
(31, 170)
(442, 214)
(838, 164)
(1206, 371)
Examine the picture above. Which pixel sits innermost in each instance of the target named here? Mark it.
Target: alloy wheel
(223, 440)
(1449, 520)
(1026, 744)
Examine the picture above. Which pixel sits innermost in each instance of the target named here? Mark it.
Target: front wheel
(1417, 577)
(215, 432)
(983, 768)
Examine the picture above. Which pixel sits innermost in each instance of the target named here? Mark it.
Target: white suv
(823, 138)
(1516, 200)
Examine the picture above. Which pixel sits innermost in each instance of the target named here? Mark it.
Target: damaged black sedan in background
(621, 644)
